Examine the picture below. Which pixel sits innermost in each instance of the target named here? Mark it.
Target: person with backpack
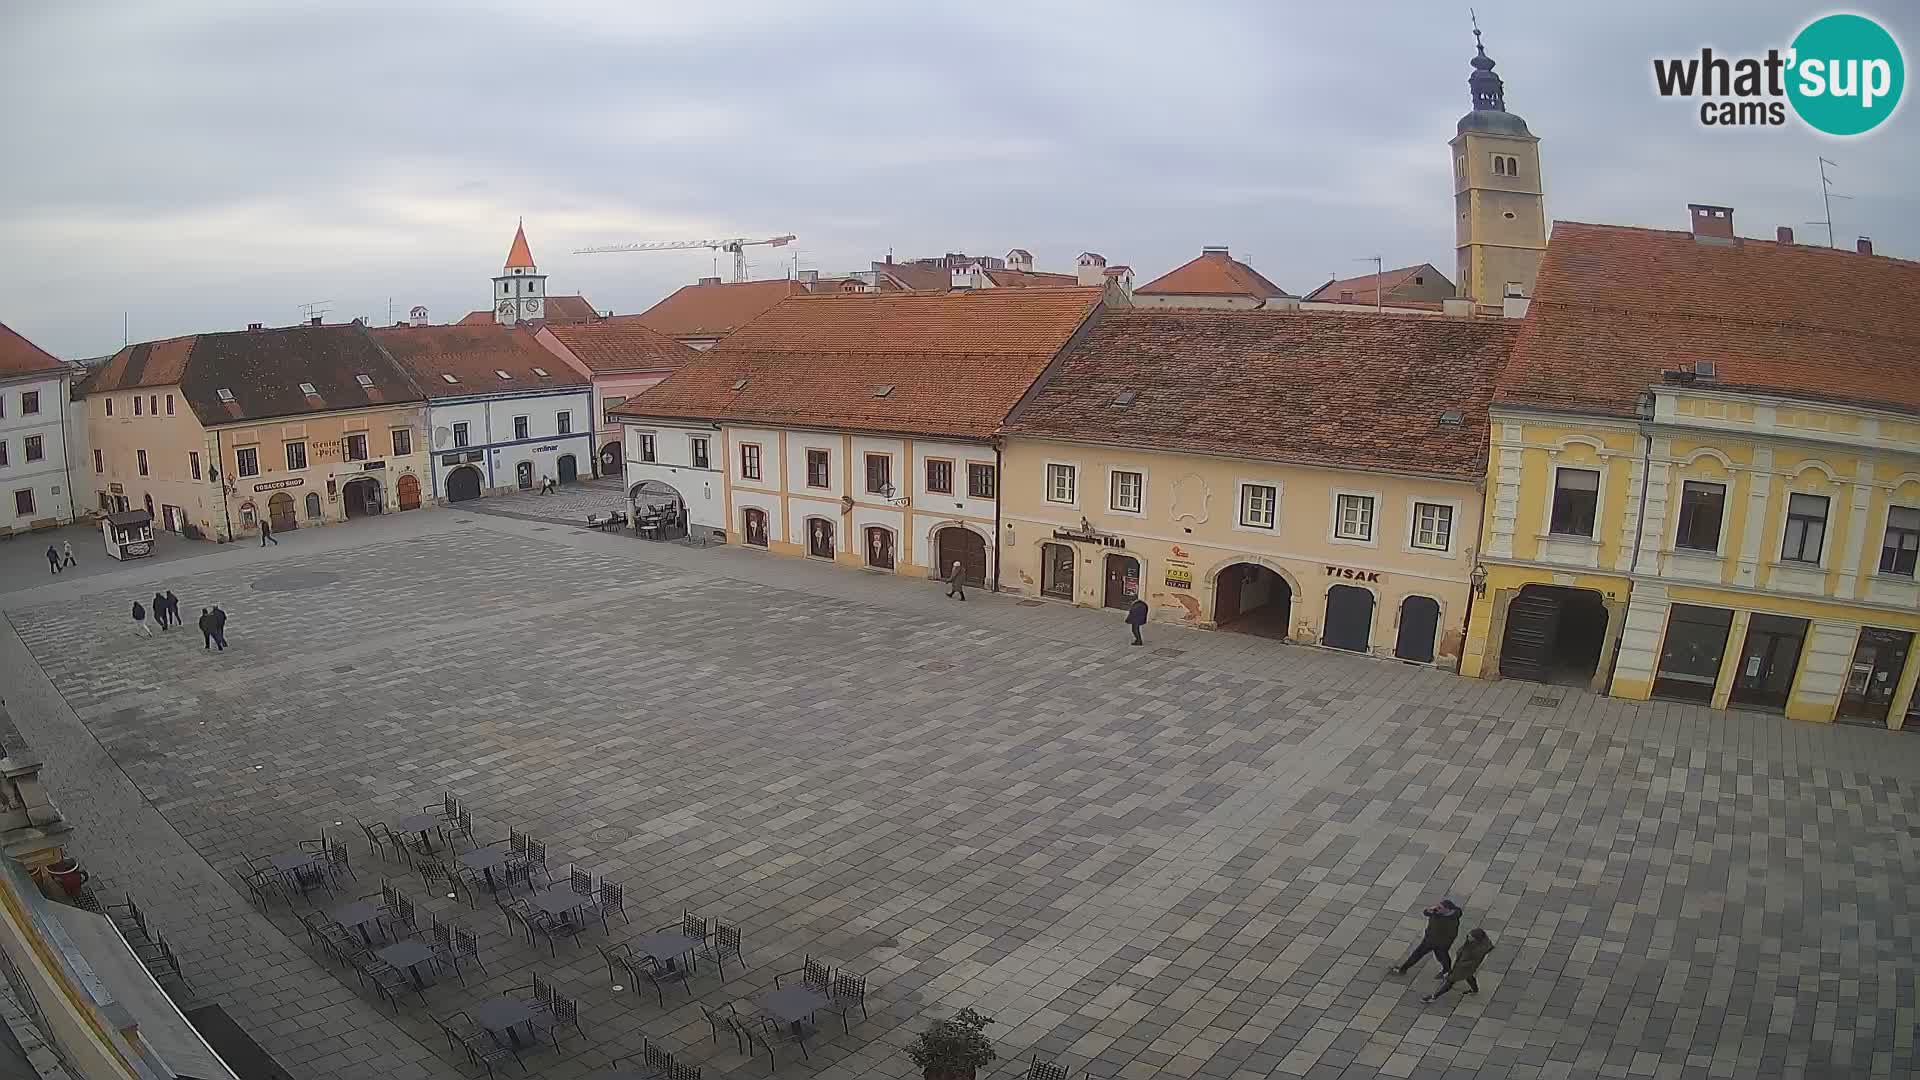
(1478, 945)
(1443, 926)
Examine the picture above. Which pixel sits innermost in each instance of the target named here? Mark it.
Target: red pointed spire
(520, 255)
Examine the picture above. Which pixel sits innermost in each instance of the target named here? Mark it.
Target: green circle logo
(1847, 75)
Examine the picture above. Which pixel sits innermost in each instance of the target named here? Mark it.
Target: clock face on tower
(505, 308)
(530, 306)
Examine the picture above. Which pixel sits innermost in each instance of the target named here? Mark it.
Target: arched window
(1499, 165)
(1513, 166)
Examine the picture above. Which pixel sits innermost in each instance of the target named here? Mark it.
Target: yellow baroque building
(1703, 478)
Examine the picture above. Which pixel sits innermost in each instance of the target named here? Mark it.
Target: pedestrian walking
(266, 534)
(1137, 618)
(206, 629)
(53, 558)
(1467, 966)
(140, 620)
(1443, 925)
(219, 627)
(66, 553)
(957, 581)
(173, 607)
(160, 609)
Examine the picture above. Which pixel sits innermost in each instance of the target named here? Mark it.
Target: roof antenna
(1379, 272)
(1827, 195)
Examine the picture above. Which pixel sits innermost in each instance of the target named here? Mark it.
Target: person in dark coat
(1443, 926)
(1467, 966)
(266, 534)
(1137, 618)
(53, 558)
(160, 609)
(173, 607)
(140, 620)
(206, 629)
(219, 628)
(956, 581)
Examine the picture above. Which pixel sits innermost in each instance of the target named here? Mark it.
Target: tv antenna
(1379, 272)
(309, 310)
(1827, 195)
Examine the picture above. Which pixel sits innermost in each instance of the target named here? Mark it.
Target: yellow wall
(325, 437)
(1190, 524)
(88, 1041)
(168, 440)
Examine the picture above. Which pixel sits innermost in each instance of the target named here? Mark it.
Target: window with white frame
(749, 461)
(1702, 506)
(357, 446)
(1060, 483)
(1432, 526)
(1576, 500)
(1353, 517)
(1806, 528)
(522, 426)
(296, 456)
(699, 445)
(460, 434)
(1258, 505)
(647, 451)
(1126, 491)
(247, 460)
(1900, 549)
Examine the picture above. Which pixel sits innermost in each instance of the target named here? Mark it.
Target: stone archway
(1252, 596)
(363, 497)
(463, 483)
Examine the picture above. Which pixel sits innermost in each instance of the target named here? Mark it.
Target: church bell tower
(520, 291)
(1500, 223)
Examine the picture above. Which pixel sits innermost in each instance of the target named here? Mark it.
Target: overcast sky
(198, 166)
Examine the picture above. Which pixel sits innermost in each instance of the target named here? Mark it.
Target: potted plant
(954, 1048)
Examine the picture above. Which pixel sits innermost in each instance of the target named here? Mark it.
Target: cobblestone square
(1197, 859)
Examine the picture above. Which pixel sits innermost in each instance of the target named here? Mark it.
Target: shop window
(1691, 655)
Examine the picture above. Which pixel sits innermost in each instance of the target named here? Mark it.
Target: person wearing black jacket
(1443, 926)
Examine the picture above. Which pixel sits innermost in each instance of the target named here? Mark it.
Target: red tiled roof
(1213, 273)
(520, 254)
(917, 278)
(1364, 287)
(956, 362)
(622, 345)
(1027, 279)
(262, 371)
(18, 356)
(559, 309)
(698, 311)
(1314, 387)
(474, 355)
(1614, 307)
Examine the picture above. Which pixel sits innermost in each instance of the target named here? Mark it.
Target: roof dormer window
(363, 379)
(502, 373)
(307, 389)
(224, 394)
(449, 378)
(542, 372)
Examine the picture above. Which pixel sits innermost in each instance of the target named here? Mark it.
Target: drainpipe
(1645, 409)
(994, 585)
(226, 505)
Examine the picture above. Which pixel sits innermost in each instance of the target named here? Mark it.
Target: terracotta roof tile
(1320, 388)
(956, 362)
(715, 310)
(1027, 279)
(1615, 306)
(1364, 287)
(18, 356)
(1213, 273)
(263, 370)
(148, 363)
(474, 355)
(621, 345)
(520, 255)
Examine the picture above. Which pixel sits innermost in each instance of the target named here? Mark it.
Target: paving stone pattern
(1143, 862)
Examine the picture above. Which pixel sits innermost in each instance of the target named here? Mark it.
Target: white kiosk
(129, 534)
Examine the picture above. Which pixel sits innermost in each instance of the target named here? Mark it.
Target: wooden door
(1419, 623)
(569, 469)
(820, 538)
(756, 527)
(967, 548)
(1349, 622)
(880, 548)
(1123, 581)
(409, 489)
(463, 483)
(280, 512)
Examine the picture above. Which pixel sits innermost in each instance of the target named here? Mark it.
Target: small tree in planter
(953, 1049)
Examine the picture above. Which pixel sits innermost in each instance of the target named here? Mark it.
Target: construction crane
(737, 247)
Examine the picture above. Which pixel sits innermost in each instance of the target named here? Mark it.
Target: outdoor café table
(293, 863)
(356, 916)
(485, 860)
(503, 1014)
(409, 955)
(791, 1004)
(424, 824)
(666, 946)
(559, 900)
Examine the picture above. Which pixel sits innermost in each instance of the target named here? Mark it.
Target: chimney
(708, 281)
(1215, 250)
(960, 278)
(1712, 224)
(315, 321)
(1092, 268)
(255, 326)
(1457, 307)
(1864, 245)
(809, 277)
(1784, 234)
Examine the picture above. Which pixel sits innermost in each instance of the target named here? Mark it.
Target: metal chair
(401, 915)
(848, 990)
(772, 1030)
(680, 1071)
(467, 944)
(484, 1050)
(264, 886)
(338, 861)
(438, 878)
(379, 840)
(1045, 1070)
(537, 859)
(691, 925)
(458, 1027)
(661, 976)
(445, 952)
(812, 973)
(613, 897)
(725, 943)
(462, 826)
(718, 1022)
(563, 1012)
(656, 1058)
(540, 995)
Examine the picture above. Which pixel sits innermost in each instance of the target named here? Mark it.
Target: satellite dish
(442, 436)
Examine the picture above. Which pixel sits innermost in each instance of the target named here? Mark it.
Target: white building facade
(34, 490)
(665, 461)
(498, 443)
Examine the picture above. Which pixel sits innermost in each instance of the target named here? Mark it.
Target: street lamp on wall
(1479, 580)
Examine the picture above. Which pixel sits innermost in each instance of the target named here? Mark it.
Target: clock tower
(520, 291)
(1500, 220)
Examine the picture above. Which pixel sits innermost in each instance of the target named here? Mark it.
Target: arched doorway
(611, 463)
(755, 527)
(463, 483)
(1123, 581)
(1249, 598)
(658, 510)
(820, 538)
(569, 469)
(1349, 623)
(363, 497)
(523, 475)
(1419, 625)
(280, 512)
(959, 544)
(1554, 634)
(313, 506)
(879, 547)
(1056, 571)
(408, 488)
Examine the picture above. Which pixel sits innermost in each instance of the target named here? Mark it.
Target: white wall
(673, 465)
(47, 477)
(798, 443)
(490, 428)
(772, 466)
